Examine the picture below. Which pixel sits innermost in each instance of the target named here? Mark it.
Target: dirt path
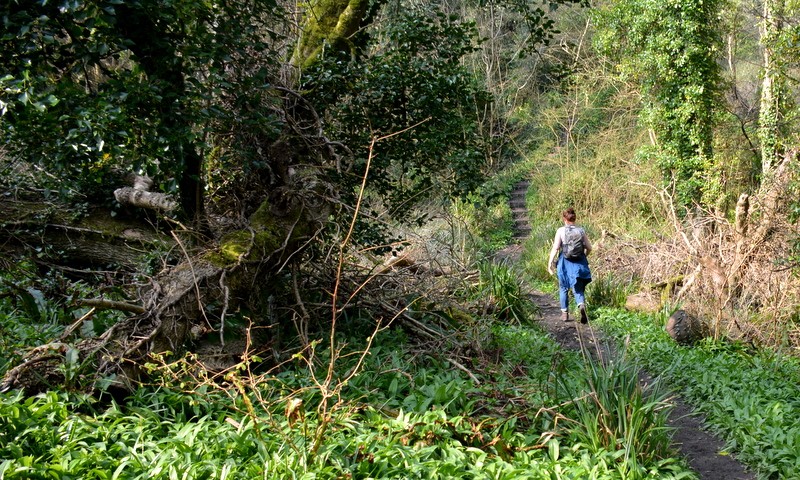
(700, 447)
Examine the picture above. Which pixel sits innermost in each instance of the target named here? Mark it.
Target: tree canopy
(151, 87)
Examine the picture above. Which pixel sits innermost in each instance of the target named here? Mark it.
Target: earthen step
(519, 211)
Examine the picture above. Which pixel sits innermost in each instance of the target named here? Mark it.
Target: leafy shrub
(614, 413)
(406, 415)
(35, 310)
(19, 332)
(537, 252)
(489, 221)
(412, 81)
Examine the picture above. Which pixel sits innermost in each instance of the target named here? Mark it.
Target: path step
(519, 212)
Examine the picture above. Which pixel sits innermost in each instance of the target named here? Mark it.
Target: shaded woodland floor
(701, 448)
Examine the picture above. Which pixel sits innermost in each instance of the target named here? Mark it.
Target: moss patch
(266, 236)
(235, 245)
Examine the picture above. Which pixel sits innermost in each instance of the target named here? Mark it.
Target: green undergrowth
(36, 309)
(496, 399)
(750, 396)
(529, 410)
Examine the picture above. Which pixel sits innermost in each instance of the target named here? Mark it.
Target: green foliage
(404, 416)
(35, 310)
(501, 287)
(596, 173)
(486, 221)
(538, 20)
(531, 347)
(582, 126)
(411, 82)
(608, 291)
(94, 86)
(614, 413)
(779, 113)
(19, 331)
(749, 396)
(536, 255)
(669, 48)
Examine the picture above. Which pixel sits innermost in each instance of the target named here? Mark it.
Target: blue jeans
(580, 297)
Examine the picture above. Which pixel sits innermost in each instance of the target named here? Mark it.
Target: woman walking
(572, 267)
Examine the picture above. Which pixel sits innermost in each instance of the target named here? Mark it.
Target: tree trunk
(156, 53)
(770, 112)
(328, 24)
(95, 240)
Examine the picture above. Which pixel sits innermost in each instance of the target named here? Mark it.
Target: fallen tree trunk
(174, 306)
(96, 239)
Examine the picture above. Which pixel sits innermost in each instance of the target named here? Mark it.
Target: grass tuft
(612, 412)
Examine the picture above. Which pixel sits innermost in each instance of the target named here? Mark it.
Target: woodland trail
(700, 447)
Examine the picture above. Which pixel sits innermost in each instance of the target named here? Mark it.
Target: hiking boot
(584, 317)
(565, 316)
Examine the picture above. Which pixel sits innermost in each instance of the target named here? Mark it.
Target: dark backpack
(572, 244)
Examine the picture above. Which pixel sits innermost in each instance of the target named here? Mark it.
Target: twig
(666, 199)
(688, 283)
(346, 241)
(433, 334)
(103, 304)
(76, 324)
(303, 327)
(194, 278)
(78, 270)
(465, 370)
(225, 297)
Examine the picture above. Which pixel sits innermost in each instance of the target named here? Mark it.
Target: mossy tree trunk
(769, 117)
(328, 24)
(176, 317)
(96, 239)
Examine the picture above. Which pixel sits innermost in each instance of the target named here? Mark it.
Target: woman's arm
(554, 252)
